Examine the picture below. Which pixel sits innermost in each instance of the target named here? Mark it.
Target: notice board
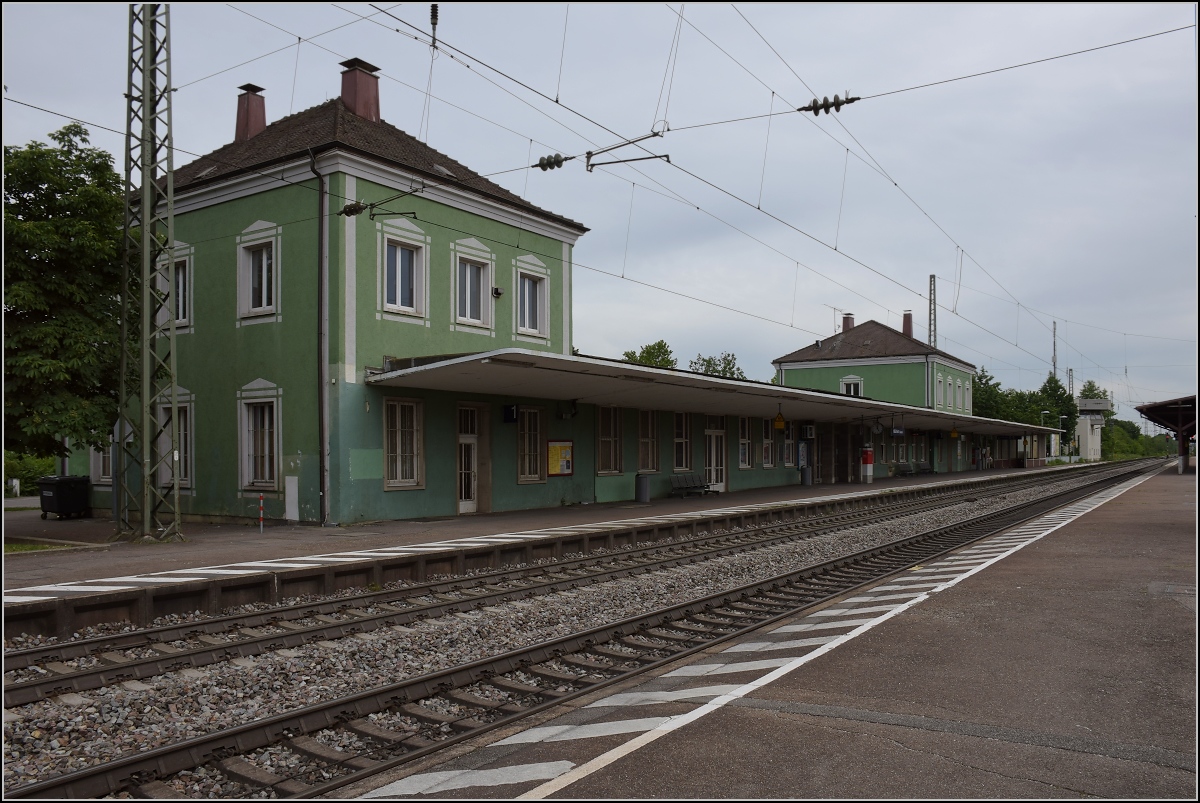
(560, 460)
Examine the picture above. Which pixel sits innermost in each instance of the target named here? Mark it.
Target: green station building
(368, 329)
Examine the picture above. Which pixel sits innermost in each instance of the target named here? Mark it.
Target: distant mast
(933, 310)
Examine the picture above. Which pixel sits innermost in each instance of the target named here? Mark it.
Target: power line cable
(705, 181)
(1028, 63)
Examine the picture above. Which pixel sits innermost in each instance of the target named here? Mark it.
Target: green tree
(63, 215)
(987, 399)
(724, 365)
(1060, 403)
(656, 354)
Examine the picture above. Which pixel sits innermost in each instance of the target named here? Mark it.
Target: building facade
(367, 329)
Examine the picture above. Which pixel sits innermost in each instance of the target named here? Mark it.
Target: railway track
(385, 726)
(85, 664)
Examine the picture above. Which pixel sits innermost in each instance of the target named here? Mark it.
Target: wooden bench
(905, 470)
(924, 468)
(688, 484)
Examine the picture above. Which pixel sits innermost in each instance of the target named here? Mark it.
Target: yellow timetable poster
(560, 461)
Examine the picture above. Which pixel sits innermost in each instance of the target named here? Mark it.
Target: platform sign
(560, 461)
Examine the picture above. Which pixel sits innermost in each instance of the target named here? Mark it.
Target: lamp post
(1042, 422)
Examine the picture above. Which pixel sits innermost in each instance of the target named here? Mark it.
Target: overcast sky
(1070, 184)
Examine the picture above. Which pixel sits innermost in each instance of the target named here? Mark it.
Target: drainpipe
(322, 366)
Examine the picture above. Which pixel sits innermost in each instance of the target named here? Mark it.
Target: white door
(714, 459)
(468, 460)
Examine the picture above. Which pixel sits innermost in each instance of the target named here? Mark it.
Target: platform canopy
(594, 380)
(1177, 415)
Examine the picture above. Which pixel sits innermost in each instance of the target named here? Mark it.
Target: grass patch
(28, 547)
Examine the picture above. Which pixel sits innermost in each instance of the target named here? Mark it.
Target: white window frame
(647, 442)
(683, 442)
(249, 456)
(485, 292)
(99, 477)
(745, 444)
(958, 395)
(967, 397)
(183, 307)
(608, 448)
(789, 444)
(187, 440)
(417, 308)
(852, 385)
(525, 440)
(768, 443)
(264, 236)
(939, 396)
(540, 297)
(392, 411)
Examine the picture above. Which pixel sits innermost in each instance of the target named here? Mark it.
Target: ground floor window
(745, 456)
(402, 443)
(529, 445)
(768, 443)
(259, 444)
(185, 445)
(683, 442)
(647, 441)
(789, 443)
(608, 451)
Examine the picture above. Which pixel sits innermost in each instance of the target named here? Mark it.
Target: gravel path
(52, 738)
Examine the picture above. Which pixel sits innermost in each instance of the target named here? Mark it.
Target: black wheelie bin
(64, 496)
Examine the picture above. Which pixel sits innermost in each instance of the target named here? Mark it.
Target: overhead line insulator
(818, 106)
(551, 162)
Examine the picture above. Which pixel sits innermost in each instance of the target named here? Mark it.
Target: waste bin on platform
(806, 475)
(64, 496)
(641, 488)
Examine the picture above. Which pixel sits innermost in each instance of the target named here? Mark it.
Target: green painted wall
(902, 383)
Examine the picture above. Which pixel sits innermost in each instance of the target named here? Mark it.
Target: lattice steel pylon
(147, 487)
(933, 310)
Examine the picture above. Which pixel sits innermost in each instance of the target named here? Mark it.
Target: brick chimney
(847, 322)
(907, 323)
(251, 113)
(360, 89)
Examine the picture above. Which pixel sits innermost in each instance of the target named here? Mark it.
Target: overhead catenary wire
(563, 52)
(711, 184)
(960, 251)
(1028, 63)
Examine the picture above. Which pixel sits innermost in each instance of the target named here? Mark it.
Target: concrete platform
(1056, 660)
(221, 544)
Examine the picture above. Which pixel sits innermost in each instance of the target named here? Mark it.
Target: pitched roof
(867, 340)
(331, 125)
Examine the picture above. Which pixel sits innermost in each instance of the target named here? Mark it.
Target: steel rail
(146, 637)
(568, 574)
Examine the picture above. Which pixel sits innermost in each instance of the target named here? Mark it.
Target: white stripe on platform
(14, 598)
(903, 586)
(205, 571)
(649, 697)
(430, 782)
(855, 611)
(821, 625)
(789, 644)
(702, 670)
(279, 565)
(871, 596)
(78, 588)
(563, 733)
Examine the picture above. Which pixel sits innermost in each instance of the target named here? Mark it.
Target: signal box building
(350, 362)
